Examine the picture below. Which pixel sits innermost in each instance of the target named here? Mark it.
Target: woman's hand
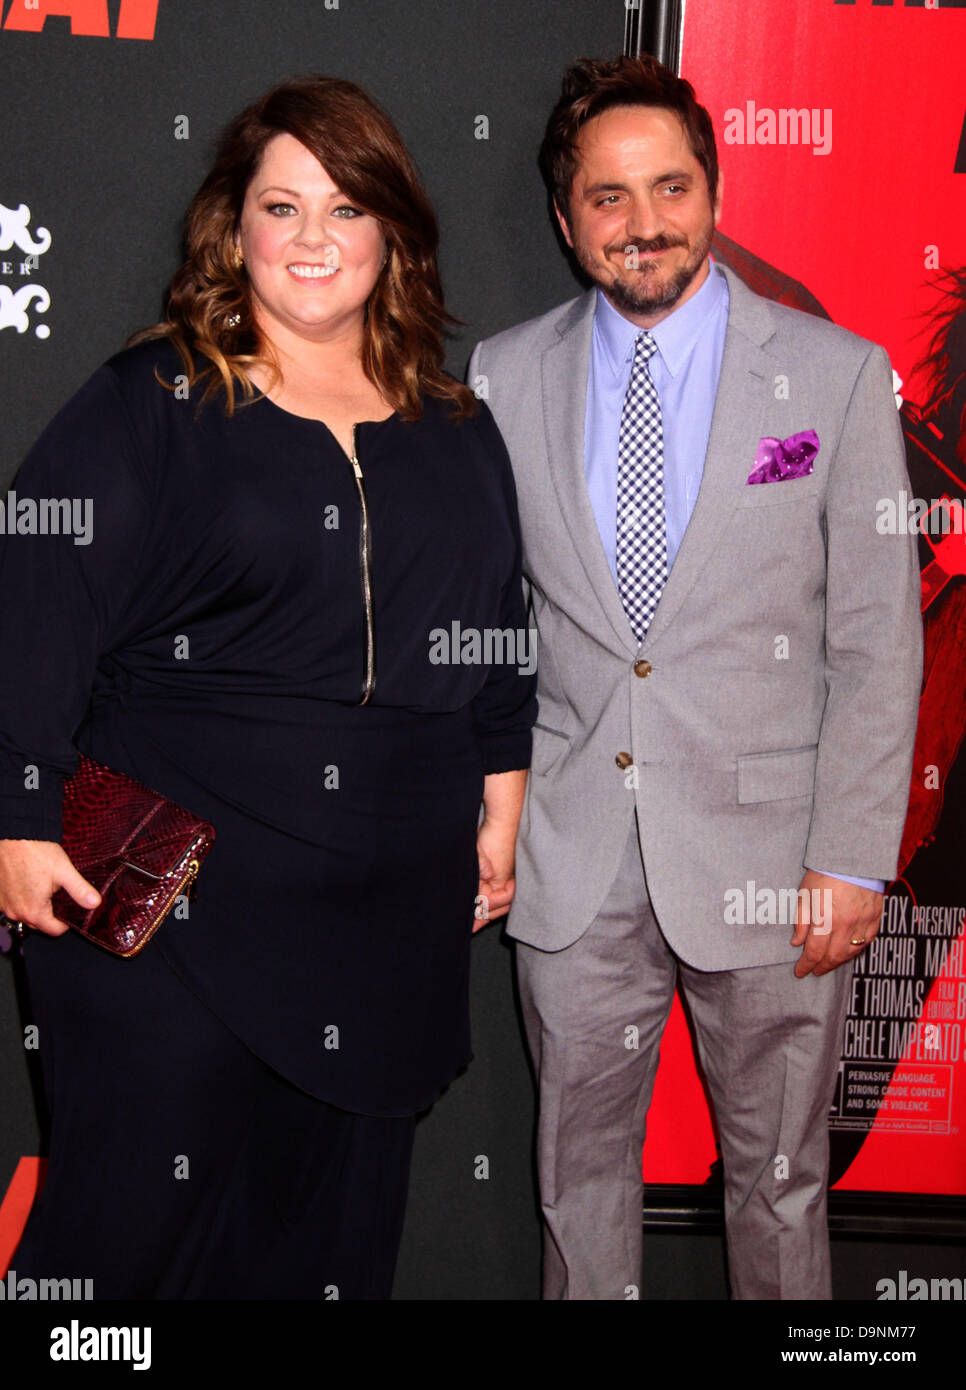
(31, 871)
(503, 794)
(495, 844)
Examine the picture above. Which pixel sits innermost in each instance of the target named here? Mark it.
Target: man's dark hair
(593, 85)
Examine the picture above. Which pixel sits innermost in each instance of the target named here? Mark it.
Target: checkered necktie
(641, 538)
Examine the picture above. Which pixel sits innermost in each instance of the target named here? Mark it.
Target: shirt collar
(675, 336)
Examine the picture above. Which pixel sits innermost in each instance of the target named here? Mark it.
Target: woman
(288, 495)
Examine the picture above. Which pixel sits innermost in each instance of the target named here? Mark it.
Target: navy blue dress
(212, 640)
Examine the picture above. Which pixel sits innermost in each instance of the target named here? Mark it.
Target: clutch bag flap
(139, 849)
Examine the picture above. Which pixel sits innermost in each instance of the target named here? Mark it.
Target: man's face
(640, 196)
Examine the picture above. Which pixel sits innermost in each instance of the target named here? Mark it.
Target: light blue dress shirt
(685, 371)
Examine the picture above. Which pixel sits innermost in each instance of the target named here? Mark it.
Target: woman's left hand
(495, 845)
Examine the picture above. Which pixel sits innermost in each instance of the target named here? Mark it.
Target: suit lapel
(746, 378)
(747, 374)
(564, 368)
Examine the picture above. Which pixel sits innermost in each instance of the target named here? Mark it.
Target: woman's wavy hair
(208, 308)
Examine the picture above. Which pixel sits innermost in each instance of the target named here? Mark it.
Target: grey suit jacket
(752, 756)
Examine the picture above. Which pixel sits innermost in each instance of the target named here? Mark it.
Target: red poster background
(854, 227)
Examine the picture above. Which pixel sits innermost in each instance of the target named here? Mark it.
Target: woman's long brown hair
(363, 154)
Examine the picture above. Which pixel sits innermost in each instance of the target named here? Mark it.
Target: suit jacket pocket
(774, 776)
(548, 747)
(778, 493)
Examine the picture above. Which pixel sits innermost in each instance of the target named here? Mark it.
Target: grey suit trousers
(769, 1044)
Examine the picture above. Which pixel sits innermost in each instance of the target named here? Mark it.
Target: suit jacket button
(623, 760)
(642, 668)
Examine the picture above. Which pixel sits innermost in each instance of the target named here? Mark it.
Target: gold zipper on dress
(365, 557)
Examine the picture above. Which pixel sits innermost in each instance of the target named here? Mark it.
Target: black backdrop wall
(105, 140)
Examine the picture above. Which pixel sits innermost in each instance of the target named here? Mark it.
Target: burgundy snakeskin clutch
(138, 849)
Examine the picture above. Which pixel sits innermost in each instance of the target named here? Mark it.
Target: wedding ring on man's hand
(15, 928)
(858, 941)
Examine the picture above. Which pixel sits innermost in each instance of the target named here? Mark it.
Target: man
(729, 667)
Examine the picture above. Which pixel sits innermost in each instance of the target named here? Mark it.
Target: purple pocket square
(779, 459)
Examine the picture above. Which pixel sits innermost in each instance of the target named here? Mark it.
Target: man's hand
(494, 843)
(830, 938)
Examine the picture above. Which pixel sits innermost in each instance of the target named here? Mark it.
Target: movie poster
(841, 129)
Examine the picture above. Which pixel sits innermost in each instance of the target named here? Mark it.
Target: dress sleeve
(75, 527)
(506, 706)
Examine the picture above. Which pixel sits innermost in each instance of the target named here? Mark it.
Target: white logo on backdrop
(16, 304)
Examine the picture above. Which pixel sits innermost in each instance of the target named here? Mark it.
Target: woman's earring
(233, 320)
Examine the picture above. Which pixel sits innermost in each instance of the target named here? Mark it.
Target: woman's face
(312, 257)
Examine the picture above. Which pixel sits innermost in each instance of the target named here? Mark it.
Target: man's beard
(648, 294)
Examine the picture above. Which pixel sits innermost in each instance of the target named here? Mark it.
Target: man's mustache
(660, 243)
